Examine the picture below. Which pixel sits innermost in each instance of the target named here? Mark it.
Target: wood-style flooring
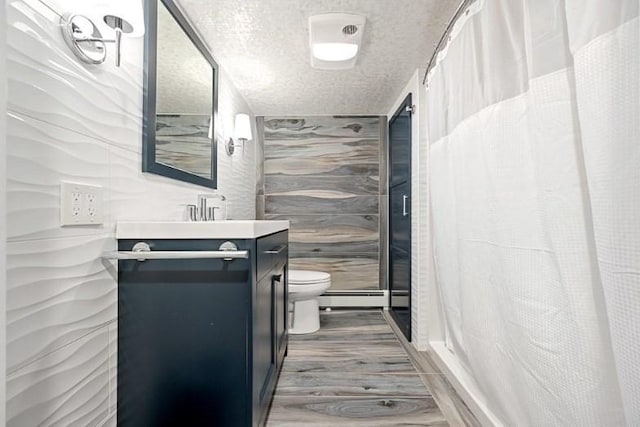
(353, 372)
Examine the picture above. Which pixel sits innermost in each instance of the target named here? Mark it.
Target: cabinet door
(182, 340)
(264, 355)
(270, 319)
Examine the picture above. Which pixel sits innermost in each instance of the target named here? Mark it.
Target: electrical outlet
(81, 204)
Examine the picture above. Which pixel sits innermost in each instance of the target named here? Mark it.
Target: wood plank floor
(353, 372)
(452, 406)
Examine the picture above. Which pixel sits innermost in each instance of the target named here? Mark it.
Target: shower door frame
(405, 106)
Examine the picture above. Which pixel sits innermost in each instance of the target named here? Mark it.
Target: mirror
(180, 98)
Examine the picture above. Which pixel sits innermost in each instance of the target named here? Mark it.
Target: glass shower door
(400, 217)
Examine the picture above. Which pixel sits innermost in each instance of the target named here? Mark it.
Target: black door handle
(277, 277)
(276, 250)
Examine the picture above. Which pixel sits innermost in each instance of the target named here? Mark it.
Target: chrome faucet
(204, 213)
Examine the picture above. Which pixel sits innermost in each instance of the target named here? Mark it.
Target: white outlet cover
(81, 204)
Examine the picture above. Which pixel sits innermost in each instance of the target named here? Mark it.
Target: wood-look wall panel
(311, 165)
(323, 174)
(332, 186)
(319, 205)
(348, 272)
(331, 233)
(322, 146)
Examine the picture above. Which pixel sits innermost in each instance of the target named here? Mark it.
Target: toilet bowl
(305, 287)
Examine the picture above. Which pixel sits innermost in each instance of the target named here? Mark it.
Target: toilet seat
(308, 277)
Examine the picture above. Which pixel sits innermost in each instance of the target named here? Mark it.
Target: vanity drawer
(272, 253)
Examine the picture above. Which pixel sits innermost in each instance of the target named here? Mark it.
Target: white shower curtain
(533, 119)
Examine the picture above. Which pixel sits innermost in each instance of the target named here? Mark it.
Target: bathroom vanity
(202, 329)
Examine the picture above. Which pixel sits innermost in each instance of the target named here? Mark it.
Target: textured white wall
(422, 272)
(70, 121)
(3, 211)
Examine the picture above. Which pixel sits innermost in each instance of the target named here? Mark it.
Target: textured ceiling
(264, 46)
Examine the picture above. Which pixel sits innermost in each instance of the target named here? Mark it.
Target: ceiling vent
(334, 40)
(349, 30)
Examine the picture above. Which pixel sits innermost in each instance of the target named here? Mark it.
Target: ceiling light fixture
(335, 51)
(334, 40)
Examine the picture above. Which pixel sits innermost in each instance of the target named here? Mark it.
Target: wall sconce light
(242, 132)
(84, 38)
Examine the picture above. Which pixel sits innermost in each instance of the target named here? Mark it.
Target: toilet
(305, 286)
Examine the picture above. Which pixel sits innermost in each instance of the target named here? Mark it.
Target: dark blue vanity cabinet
(201, 341)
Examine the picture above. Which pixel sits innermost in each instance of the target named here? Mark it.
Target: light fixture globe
(241, 132)
(242, 128)
(335, 51)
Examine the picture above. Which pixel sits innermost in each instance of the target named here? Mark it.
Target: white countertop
(232, 229)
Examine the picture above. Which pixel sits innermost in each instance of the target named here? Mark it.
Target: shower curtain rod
(441, 44)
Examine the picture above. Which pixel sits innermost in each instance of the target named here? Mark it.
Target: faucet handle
(204, 212)
(212, 196)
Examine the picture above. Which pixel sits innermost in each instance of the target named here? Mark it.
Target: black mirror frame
(149, 163)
